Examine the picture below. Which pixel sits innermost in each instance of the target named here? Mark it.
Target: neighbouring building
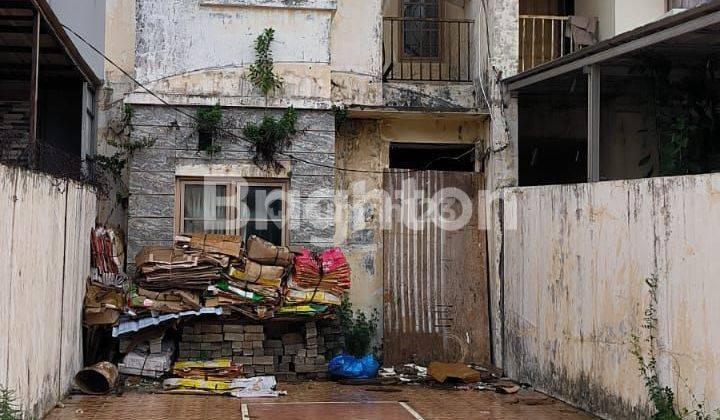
(48, 83)
(49, 80)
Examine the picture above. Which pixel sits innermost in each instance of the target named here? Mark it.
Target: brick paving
(429, 403)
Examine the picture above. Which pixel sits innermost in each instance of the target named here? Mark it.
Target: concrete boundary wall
(575, 260)
(44, 260)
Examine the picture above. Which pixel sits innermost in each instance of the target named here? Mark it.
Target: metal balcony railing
(423, 49)
(543, 39)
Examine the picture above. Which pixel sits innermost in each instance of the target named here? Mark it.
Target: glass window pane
(270, 231)
(193, 207)
(265, 202)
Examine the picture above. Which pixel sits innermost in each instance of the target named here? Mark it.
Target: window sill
(330, 5)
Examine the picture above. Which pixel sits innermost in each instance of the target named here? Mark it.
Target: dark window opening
(205, 140)
(421, 38)
(433, 157)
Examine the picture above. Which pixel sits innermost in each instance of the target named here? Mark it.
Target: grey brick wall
(152, 172)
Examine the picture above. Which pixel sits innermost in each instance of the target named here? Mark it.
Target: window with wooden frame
(421, 29)
(232, 207)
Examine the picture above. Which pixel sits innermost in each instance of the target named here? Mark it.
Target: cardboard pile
(103, 304)
(164, 268)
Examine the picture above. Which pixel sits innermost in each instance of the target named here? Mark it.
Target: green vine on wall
(662, 397)
(272, 136)
(208, 127)
(120, 137)
(358, 330)
(262, 72)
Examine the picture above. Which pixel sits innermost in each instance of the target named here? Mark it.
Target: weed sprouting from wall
(272, 136)
(262, 71)
(208, 127)
(662, 397)
(120, 137)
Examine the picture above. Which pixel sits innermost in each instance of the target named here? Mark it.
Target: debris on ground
(97, 379)
(257, 387)
(441, 372)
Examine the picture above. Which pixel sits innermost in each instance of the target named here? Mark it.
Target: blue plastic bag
(345, 366)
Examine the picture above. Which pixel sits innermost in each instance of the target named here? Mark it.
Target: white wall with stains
(575, 260)
(44, 230)
(198, 51)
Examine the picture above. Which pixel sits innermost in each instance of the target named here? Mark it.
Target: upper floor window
(421, 32)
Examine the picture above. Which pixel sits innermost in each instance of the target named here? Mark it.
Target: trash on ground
(441, 372)
(345, 366)
(97, 379)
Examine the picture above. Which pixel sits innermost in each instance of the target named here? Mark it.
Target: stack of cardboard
(164, 268)
(255, 282)
(103, 304)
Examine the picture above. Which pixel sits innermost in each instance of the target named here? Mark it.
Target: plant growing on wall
(272, 136)
(262, 71)
(111, 167)
(9, 408)
(208, 127)
(662, 397)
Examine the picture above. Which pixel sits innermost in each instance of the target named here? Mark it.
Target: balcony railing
(421, 49)
(543, 39)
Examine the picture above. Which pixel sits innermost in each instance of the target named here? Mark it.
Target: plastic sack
(345, 366)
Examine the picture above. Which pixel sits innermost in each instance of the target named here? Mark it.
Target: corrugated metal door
(435, 277)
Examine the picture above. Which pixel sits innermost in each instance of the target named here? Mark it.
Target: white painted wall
(575, 261)
(618, 16)
(86, 17)
(45, 252)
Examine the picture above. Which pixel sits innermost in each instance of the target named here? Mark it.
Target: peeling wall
(571, 305)
(195, 49)
(356, 52)
(358, 204)
(498, 52)
(44, 229)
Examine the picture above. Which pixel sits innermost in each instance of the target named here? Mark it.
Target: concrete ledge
(275, 4)
(445, 96)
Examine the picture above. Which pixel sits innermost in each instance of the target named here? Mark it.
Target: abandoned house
(574, 139)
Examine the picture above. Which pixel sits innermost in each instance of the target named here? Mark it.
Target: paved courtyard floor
(324, 400)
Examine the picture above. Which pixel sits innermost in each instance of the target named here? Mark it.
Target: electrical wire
(228, 132)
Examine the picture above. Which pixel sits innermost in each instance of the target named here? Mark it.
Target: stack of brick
(263, 351)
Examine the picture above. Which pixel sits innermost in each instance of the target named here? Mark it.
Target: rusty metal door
(435, 276)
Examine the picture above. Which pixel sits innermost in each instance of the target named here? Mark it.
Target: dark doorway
(433, 157)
